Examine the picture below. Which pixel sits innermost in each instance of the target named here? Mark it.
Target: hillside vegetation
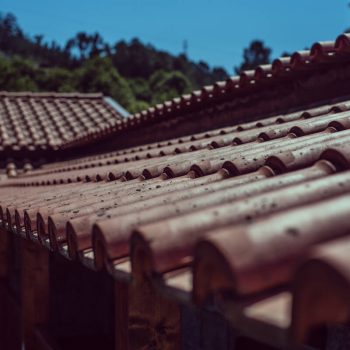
(135, 74)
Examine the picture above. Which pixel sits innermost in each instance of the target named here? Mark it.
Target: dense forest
(135, 74)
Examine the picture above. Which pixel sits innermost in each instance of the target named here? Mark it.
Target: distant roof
(43, 121)
(322, 55)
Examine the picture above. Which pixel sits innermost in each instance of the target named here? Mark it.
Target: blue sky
(216, 30)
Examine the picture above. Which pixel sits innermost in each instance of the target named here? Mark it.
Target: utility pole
(185, 47)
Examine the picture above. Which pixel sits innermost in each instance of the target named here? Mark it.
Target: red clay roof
(233, 211)
(44, 121)
(253, 215)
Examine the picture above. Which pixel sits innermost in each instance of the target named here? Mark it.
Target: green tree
(141, 89)
(134, 73)
(87, 45)
(99, 75)
(256, 54)
(17, 74)
(57, 79)
(167, 85)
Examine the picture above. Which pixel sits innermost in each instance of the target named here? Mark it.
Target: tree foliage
(253, 56)
(135, 74)
(167, 85)
(99, 75)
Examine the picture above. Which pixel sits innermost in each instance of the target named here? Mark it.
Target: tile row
(320, 54)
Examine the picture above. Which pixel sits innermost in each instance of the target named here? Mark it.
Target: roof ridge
(320, 52)
(53, 94)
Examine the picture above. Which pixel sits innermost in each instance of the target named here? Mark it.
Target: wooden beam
(10, 313)
(154, 322)
(4, 253)
(121, 315)
(34, 290)
(10, 316)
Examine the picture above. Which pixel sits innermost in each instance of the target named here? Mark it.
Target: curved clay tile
(263, 71)
(321, 288)
(338, 155)
(219, 88)
(232, 84)
(171, 240)
(251, 258)
(342, 44)
(300, 59)
(281, 65)
(246, 77)
(322, 51)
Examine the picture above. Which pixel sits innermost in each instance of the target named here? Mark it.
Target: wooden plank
(82, 306)
(154, 321)
(10, 315)
(121, 315)
(4, 253)
(44, 340)
(34, 290)
(10, 312)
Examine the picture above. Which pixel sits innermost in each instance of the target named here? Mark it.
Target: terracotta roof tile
(326, 269)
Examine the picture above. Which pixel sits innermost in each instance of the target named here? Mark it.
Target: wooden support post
(4, 253)
(121, 315)
(34, 290)
(10, 317)
(82, 306)
(10, 332)
(154, 321)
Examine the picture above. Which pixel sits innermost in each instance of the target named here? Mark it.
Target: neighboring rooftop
(303, 79)
(37, 122)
